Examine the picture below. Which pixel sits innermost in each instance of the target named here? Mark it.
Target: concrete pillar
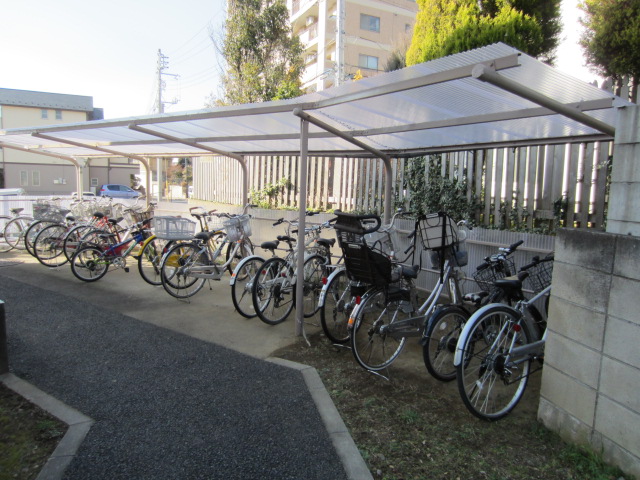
(623, 216)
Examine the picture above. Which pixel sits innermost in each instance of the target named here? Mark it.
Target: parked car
(117, 191)
(12, 191)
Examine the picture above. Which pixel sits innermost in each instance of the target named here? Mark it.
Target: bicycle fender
(323, 292)
(240, 265)
(466, 330)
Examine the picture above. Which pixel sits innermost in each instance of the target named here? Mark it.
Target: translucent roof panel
(437, 105)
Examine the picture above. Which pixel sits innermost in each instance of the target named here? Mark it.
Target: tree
(444, 27)
(263, 59)
(612, 37)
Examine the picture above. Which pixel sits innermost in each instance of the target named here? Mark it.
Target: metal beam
(345, 136)
(486, 74)
(171, 138)
(142, 160)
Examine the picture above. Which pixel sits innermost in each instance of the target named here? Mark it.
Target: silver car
(117, 191)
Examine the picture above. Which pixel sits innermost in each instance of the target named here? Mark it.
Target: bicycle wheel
(49, 246)
(245, 250)
(15, 231)
(175, 271)
(489, 384)
(272, 291)
(242, 283)
(32, 232)
(89, 264)
(150, 259)
(5, 246)
(439, 344)
(314, 271)
(372, 347)
(73, 239)
(337, 307)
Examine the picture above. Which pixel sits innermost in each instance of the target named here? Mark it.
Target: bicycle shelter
(467, 100)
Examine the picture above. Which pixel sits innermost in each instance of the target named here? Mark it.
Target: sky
(109, 50)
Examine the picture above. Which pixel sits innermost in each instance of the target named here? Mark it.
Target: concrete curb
(352, 461)
(78, 423)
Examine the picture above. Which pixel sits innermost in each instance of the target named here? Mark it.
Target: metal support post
(302, 210)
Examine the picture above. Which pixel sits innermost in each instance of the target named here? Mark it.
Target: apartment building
(43, 175)
(347, 38)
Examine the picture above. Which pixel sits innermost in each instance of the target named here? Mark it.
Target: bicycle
(273, 289)
(91, 262)
(12, 229)
(341, 293)
(389, 313)
(186, 266)
(499, 343)
(445, 324)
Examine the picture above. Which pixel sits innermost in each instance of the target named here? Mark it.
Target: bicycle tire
(175, 268)
(4, 245)
(49, 246)
(489, 388)
(272, 292)
(73, 239)
(374, 350)
(242, 283)
(15, 231)
(245, 250)
(314, 271)
(150, 260)
(441, 337)
(89, 264)
(337, 307)
(32, 232)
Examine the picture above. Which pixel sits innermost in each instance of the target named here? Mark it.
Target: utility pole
(163, 64)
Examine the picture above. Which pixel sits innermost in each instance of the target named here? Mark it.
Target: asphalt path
(165, 405)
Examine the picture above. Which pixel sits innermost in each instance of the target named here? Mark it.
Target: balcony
(308, 34)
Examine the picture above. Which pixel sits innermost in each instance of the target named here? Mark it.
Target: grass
(412, 427)
(28, 436)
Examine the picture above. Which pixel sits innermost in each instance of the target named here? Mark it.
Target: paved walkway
(168, 405)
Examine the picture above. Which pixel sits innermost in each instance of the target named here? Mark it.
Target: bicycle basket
(48, 212)
(174, 228)
(539, 276)
(437, 231)
(486, 276)
(136, 216)
(237, 226)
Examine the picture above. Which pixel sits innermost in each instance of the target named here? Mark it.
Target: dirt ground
(411, 426)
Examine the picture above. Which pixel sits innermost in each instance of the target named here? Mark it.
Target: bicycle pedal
(126, 269)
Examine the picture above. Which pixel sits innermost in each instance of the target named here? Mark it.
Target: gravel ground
(166, 406)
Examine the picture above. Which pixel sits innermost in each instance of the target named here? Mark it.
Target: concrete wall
(591, 378)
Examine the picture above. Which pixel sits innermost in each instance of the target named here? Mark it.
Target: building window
(58, 114)
(94, 182)
(24, 178)
(368, 22)
(44, 113)
(35, 178)
(367, 61)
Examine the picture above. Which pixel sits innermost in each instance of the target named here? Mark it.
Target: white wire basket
(174, 228)
(237, 226)
(52, 213)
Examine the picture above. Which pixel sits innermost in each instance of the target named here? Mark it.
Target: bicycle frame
(204, 271)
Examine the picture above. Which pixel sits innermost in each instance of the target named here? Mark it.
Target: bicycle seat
(114, 221)
(286, 238)
(98, 215)
(16, 211)
(269, 245)
(326, 242)
(410, 272)
(71, 219)
(205, 236)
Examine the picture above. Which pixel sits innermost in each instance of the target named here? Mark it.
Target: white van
(12, 191)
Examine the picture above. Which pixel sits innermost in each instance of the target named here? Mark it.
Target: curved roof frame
(493, 96)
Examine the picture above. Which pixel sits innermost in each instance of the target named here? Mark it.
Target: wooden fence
(556, 184)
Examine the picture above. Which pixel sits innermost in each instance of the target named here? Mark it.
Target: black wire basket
(539, 276)
(438, 231)
(486, 276)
